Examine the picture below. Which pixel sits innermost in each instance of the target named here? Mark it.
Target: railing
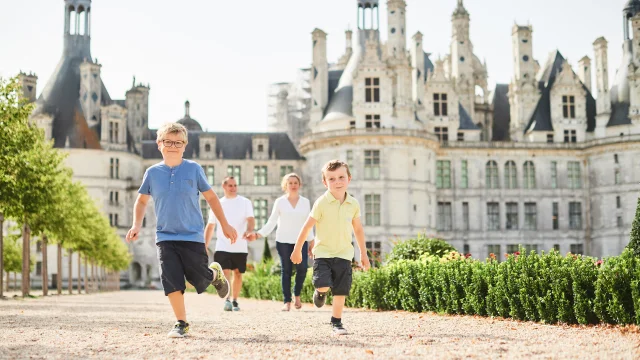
(422, 134)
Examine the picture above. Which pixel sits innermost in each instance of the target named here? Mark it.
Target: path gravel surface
(134, 324)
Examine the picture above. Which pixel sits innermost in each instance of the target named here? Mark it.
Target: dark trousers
(285, 250)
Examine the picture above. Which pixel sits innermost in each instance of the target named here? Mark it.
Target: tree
(634, 238)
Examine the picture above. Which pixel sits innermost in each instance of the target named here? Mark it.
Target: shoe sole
(218, 268)
(175, 336)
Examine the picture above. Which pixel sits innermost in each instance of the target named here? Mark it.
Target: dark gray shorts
(335, 273)
(180, 260)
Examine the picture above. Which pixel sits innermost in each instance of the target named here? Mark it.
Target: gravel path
(133, 325)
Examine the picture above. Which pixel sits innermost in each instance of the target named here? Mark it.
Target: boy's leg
(338, 305)
(322, 280)
(284, 251)
(176, 299)
(341, 273)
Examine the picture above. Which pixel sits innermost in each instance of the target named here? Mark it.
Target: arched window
(492, 175)
(510, 175)
(529, 175)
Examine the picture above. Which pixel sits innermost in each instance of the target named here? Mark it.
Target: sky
(222, 55)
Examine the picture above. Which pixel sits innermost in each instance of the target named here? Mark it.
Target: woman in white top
(289, 213)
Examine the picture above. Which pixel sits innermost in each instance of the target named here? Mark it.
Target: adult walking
(232, 255)
(289, 213)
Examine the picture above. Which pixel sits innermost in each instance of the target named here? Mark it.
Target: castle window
(615, 158)
(443, 174)
(260, 210)
(442, 133)
(529, 179)
(372, 164)
(510, 175)
(372, 89)
(575, 215)
(233, 170)
(440, 104)
(372, 209)
(207, 148)
(285, 169)
(570, 136)
(113, 131)
(460, 136)
(550, 138)
(568, 107)
(260, 148)
(260, 175)
(574, 175)
(512, 216)
(372, 121)
(493, 216)
(114, 169)
(491, 175)
(525, 58)
(210, 174)
(444, 222)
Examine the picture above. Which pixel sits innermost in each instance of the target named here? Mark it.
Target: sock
(336, 320)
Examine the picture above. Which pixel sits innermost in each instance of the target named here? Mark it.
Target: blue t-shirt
(175, 192)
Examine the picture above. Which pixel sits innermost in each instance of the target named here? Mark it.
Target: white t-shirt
(236, 210)
(289, 220)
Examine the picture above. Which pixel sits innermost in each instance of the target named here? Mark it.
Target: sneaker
(338, 329)
(180, 330)
(220, 281)
(227, 305)
(319, 298)
(235, 305)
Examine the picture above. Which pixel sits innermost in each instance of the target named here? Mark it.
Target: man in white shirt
(232, 257)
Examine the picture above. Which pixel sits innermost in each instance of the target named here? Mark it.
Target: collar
(329, 195)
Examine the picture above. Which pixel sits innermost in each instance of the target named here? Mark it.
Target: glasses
(170, 143)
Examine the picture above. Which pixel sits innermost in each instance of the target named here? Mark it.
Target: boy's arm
(296, 255)
(228, 230)
(358, 231)
(138, 215)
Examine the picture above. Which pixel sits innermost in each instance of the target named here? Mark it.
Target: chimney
(584, 71)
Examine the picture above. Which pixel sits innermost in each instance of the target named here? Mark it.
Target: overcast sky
(222, 55)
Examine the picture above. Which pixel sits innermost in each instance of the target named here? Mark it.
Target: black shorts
(231, 261)
(180, 260)
(335, 273)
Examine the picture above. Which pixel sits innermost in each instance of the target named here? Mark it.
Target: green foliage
(36, 188)
(548, 288)
(12, 254)
(266, 254)
(634, 238)
(413, 249)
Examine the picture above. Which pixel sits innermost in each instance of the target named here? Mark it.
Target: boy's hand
(296, 257)
(230, 233)
(364, 259)
(132, 234)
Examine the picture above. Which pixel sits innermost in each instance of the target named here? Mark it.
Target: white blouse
(289, 220)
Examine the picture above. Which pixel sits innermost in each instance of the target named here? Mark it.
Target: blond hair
(285, 180)
(334, 165)
(172, 128)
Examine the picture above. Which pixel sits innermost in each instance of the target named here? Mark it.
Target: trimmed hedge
(547, 288)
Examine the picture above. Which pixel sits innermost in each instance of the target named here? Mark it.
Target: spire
(187, 105)
(460, 10)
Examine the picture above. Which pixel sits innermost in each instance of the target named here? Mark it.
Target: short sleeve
(356, 214)
(212, 218)
(145, 188)
(203, 184)
(316, 211)
(249, 209)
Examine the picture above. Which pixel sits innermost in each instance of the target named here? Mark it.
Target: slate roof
(501, 113)
(541, 118)
(466, 123)
(231, 145)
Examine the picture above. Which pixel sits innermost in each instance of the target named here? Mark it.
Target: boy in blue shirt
(175, 185)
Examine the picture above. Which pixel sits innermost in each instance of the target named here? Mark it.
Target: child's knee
(323, 289)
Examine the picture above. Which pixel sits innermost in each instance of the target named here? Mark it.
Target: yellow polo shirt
(334, 227)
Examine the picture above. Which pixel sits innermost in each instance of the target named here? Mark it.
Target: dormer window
(260, 148)
(207, 148)
(372, 121)
(440, 104)
(570, 136)
(569, 107)
(114, 129)
(372, 90)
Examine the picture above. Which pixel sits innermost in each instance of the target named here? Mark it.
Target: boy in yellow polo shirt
(336, 214)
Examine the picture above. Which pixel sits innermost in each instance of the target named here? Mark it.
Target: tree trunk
(59, 277)
(26, 261)
(70, 280)
(1, 252)
(86, 289)
(45, 273)
(7, 284)
(15, 281)
(79, 275)
(93, 276)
